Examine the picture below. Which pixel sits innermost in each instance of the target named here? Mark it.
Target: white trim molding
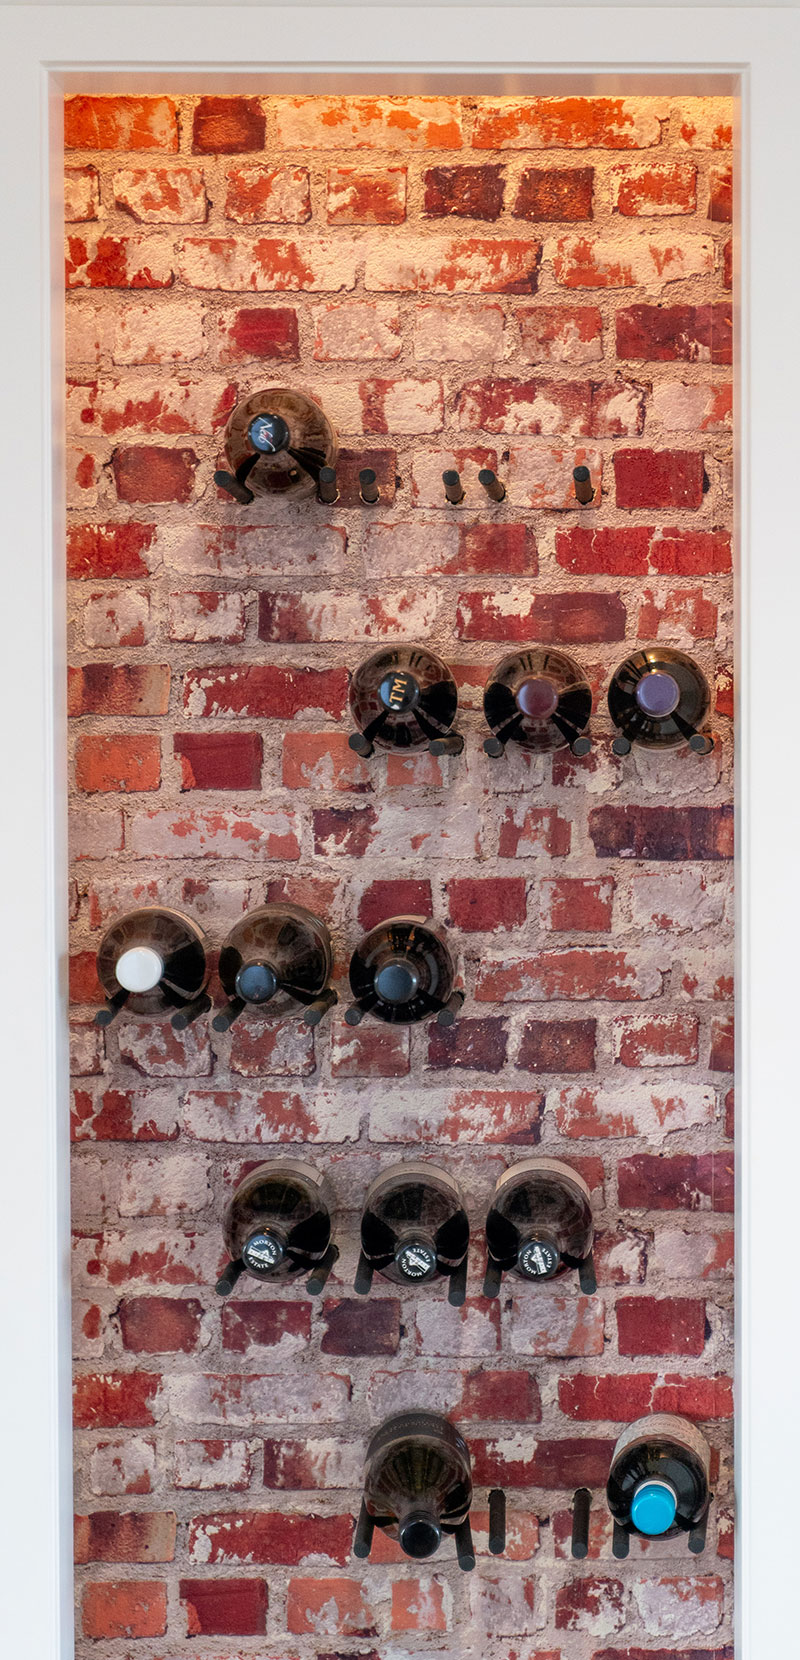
(47, 49)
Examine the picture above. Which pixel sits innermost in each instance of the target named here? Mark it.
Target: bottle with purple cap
(659, 698)
(539, 699)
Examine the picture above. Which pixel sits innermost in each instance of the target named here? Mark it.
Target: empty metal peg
(491, 484)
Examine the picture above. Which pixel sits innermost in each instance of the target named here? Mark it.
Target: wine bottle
(418, 1487)
(414, 1229)
(404, 697)
(156, 958)
(279, 959)
(401, 972)
(278, 1225)
(539, 699)
(659, 698)
(658, 1485)
(539, 1225)
(277, 440)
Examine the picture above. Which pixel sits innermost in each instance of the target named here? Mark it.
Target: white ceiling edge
(450, 5)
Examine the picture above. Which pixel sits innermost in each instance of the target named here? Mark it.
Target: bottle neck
(256, 981)
(419, 1530)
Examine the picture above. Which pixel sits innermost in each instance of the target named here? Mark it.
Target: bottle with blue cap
(658, 1485)
(277, 441)
(414, 1229)
(401, 972)
(276, 960)
(277, 1227)
(418, 1489)
(404, 697)
(659, 698)
(153, 960)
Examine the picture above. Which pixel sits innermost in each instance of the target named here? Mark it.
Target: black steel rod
(497, 1521)
(491, 484)
(368, 485)
(581, 1510)
(453, 488)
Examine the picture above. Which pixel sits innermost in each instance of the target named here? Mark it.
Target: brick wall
(531, 284)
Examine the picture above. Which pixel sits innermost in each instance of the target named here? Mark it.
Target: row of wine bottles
(414, 1227)
(404, 697)
(418, 1487)
(279, 958)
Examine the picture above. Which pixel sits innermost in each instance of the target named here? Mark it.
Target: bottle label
(416, 1262)
(538, 1260)
(262, 1253)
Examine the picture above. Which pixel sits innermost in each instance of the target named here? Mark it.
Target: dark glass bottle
(155, 959)
(278, 1225)
(401, 972)
(540, 1225)
(414, 1229)
(276, 441)
(658, 1485)
(277, 958)
(404, 697)
(659, 698)
(418, 1487)
(540, 699)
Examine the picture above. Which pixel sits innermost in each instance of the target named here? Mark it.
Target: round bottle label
(537, 1259)
(398, 692)
(262, 1253)
(268, 434)
(416, 1261)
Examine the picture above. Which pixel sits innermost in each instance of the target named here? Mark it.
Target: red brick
(574, 123)
(483, 905)
(615, 976)
(652, 188)
(265, 690)
(723, 690)
(267, 195)
(81, 193)
(224, 1607)
(129, 1608)
(727, 264)
(691, 552)
(526, 833)
(553, 1464)
(361, 1328)
(270, 264)
(108, 550)
(647, 258)
(346, 122)
(560, 334)
(419, 1605)
(554, 194)
(330, 1608)
(261, 1536)
(558, 1046)
(327, 614)
(221, 126)
(668, 1326)
(100, 261)
(676, 334)
(563, 619)
(403, 897)
(359, 198)
(219, 760)
(124, 689)
(717, 1653)
(150, 473)
(464, 192)
(656, 1040)
(120, 123)
(607, 550)
(117, 763)
(370, 1051)
(722, 1057)
(477, 1045)
(123, 1115)
(675, 613)
(269, 333)
(114, 1399)
(153, 195)
(160, 1325)
(139, 1536)
(683, 1181)
(621, 1399)
(662, 832)
(594, 1605)
(720, 192)
(265, 1325)
(505, 1397)
(84, 986)
(457, 265)
(659, 478)
(572, 904)
(263, 1048)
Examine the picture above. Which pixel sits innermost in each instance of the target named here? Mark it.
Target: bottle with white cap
(658, 1485)
(659, 698)
(155, 959)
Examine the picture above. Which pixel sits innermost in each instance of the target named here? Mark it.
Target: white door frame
(45, 50)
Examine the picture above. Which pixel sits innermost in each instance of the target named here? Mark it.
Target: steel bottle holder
(154, 959)
(276, 441)
(402, 972)
(659, 698)
(277, 959)
(277, 1226)
(658, 1486)
(539, 699)
(414, 1229)
(418, 1487)
(404, 697)
(540, 1225)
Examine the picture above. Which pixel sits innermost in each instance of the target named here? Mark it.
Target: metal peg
(368, 485)
(450, 743)
(318, 1278)
(465, 1550)
(327, 490)
(363, 1280)
(229, 1277)
(224, 1020)
(451, 1010)
(113, 1005)
(582, 480)
(316, 1011)
(190, 1012)
(365, 1527)
(587, 1277)
(453, 488)
(492, 1279)
(497, 1521)
(491, 484)
(620, 1542)
(457, 1289)
(581, 1508)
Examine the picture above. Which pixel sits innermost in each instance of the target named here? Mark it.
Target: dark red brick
(477, 1045)
(670, 833)
(680, 1181)
(659, 478)
(403, 897)
(723, 1052)
(219, 760)
(364, 1326)
(150, 473)
(555, 1465)
(464, 192)
(676, 334)
(558, 1046)
(224, 126)
(557, 193)
(224, 1607)
(109, 550)
(264, 1324)
(480, 905)
(269, 332)
(160, 1325)
(661, 1326)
